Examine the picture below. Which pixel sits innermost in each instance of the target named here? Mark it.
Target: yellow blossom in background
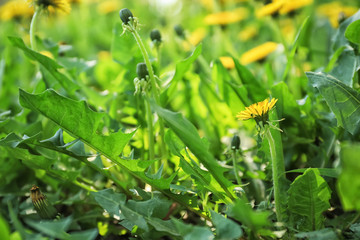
(52, 5)
(209, 4)
(108, 6)
(258, 111)
(258, 52)
(104, 55)
(196, 36)
(248, 33)
(269, 9)
(333, 10)
(287, 28)
(227, 62)
(292, 5)
(227, 17)
(15, 9)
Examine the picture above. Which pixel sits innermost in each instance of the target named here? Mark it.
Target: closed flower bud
(235, 142)
(125, 15)
(41, 204)
(141, 70)
(179, 31)
(155, 35)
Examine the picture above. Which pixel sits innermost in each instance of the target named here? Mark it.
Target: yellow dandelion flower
(269, 9)
(196, 36)
(15, 9)
(248, 33)
(292, 5)
(258, 52)
(52, 5)
(227, 17)
(227, 62)
(333, 10)
(258, 111)
(108, 6)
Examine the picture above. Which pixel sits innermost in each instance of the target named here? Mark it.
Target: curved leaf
(342, 100)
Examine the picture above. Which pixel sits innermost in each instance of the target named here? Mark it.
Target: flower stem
(149, 119)
(234, 157)
(32, 28)
(154, 90)
(278, 171)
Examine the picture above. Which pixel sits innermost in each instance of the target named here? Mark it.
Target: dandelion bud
(155, 35)
(179, 31)
(141, 70)
(235, 142)
(125, 15)
(41, 204)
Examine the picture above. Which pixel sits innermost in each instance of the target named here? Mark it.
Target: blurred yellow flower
(108, 6)
(248, 33)
(52, 5)
(209, 4)
(227, 62)
(269, 9)
(258, 111)
(104, 55)
(196, 36)
(258, 52)
(292, 5)
(281, 6)
(334, 10)
(14, 9)
(227, 17)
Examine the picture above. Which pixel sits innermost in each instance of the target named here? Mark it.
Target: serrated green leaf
(154, 207)
(50, 65)
(164, 226)
(327, 172)
(134, 217)
(226, 229)
(109, 200)
(186, 131)
(343, 101)
(191, 232)
(339, 37)
(55, 229)
(349, 182)
(90, 234)
(352, 32)
(309, 197)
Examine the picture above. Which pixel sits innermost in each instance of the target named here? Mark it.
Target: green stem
(357, 216)
(154, 89)
(149, 120)
(234, 157)
(32, 28)
(278, 171)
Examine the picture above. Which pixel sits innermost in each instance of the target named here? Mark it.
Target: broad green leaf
(181, 68)
(309, 196)
(191, 232)
(327, 172)
(256, 90)
(134, 217)
(77, 119)
(323, 234)
(55, 229)
(109, 200)
(349, 182)
(89, 234)
(339, 37)
(255, 220)
(342, 100)
(187, 132)
(50, 65)
(166, 226)
(226, 229)
(352, 32)
(154, 207)
(346, 67)
(80, 121)
(286, 105)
